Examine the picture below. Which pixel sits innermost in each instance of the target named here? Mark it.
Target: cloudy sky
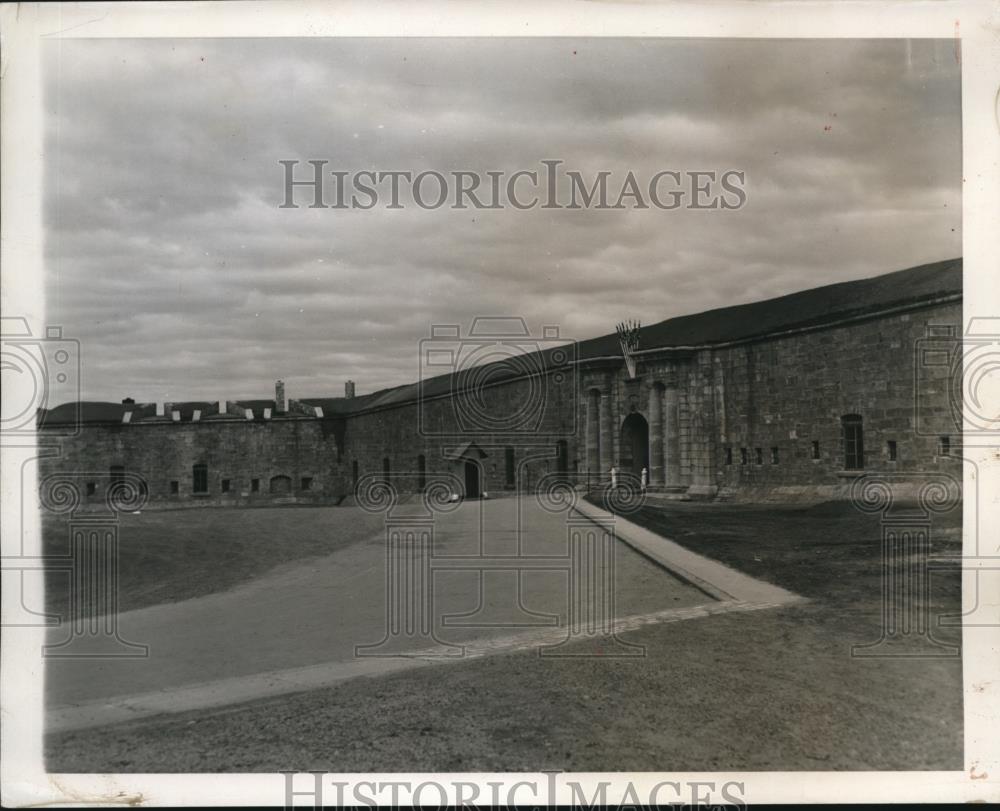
(168, 256)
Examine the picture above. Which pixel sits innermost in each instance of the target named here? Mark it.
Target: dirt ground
(766, 690)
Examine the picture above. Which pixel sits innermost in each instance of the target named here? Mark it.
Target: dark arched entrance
(634, 444)
(471, 479)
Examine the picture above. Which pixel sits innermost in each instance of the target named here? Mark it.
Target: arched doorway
(634, 444)
(471, 479)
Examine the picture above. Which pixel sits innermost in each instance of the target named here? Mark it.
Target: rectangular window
(354, 473)
(815, 449)
(225, 485)
(175, 488)
(774, 456)
(891, 448)
(744, 458)
(199, 478)
(854, 444)
(91, 488)
(255, 485)
(944, 446)
(758, 455)
(508, 457)
(729, 456)
(307, 482)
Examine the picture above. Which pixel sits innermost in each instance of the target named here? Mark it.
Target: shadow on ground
(767, 690)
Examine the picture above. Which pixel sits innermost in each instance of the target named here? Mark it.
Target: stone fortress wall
(806, 405)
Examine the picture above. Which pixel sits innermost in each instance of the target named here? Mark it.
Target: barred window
(200, 478)
(854, 445)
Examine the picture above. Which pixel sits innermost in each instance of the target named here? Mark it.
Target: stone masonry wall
(782, 395)
(771, 399)
(542, 414)
(237, 451)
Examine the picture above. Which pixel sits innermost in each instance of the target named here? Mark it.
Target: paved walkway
(298, 627)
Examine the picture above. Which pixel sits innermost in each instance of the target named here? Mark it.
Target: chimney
(128, 401)
(349, 389)
(280, 403)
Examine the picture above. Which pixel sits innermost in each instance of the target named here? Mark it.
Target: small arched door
(471, 479)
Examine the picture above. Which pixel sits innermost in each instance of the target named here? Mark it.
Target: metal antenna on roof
(628, 337)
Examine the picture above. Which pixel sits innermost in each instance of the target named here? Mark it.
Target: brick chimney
(349, 389)
(280, 403)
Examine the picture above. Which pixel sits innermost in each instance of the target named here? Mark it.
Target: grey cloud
(168, 257)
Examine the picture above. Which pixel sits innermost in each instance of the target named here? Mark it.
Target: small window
(944, 446)
(744, 458)
(758, 455)
(91, 488)
(508, 459)
(255, 485)
(385, 468)
(774, 456)
(854, 444)
(307, 482)
(225, 485)
(199, 477)
(421, 473)
(175, 488)
(890, 447)
(815, 449)
(354, 472)
(729, 456)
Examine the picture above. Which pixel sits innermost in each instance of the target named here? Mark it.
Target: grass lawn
(767, 690)
(172, 555)
(829, 552)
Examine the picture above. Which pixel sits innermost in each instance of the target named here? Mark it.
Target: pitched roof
(808, 308)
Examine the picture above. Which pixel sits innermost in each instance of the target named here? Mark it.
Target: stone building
(790, 397)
